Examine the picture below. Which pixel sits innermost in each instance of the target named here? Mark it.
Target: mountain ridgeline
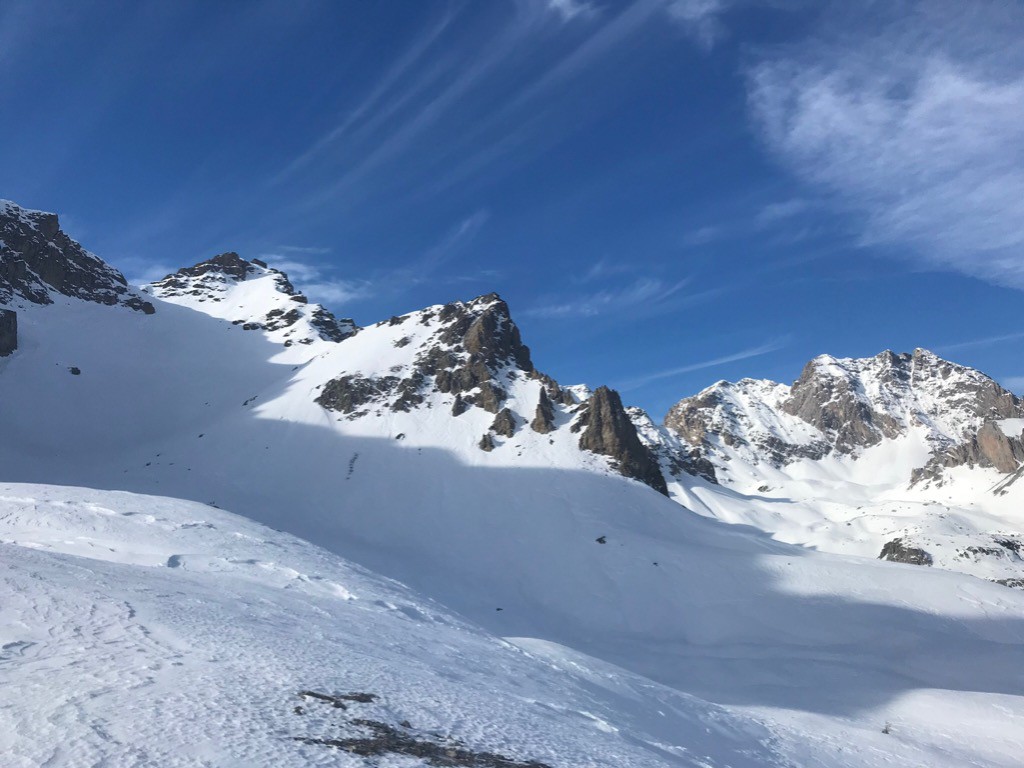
(843, 407)
(464, 372)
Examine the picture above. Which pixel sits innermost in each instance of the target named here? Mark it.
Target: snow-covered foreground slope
(144, 631)
(138, 630)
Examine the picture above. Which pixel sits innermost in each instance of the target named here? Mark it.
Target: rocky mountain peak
(467, 349)
(484, 328)
(847, 405)
(253, 295)
(38, 260)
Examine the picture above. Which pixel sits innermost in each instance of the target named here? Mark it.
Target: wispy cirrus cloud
(317, 281)
(652, 294)
(701, 19)
(773, 213)
(986, 341)
(702, 236)
(914, 125)
(321, 282)
(568, 10)
(745, 354)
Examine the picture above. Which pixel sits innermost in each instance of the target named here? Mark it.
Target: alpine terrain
(237, 530)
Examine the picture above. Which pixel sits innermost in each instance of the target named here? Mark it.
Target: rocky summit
(253, 295)
(844, 406)
(38, 262)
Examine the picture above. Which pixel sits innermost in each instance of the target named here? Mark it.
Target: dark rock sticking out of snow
(8, 331)
(37, 259)
(608, 430)
(896, 551)
(372, 738)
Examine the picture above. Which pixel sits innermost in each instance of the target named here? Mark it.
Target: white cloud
(917, 130)
(987, 341)
(647, 292)
(702, 236)
(316, 281)
(777, 212)
(570, 9)
(605, 268)
(700, 19)
(746, 354)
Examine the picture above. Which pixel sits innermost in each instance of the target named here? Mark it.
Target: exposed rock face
(350, 394)
(38, 260)
(844, 406)
(475, 345)
(211, 282)
(504, 423)
(486, 443)
(988, 448)
(8, 331)
(607, 430)
(897, 551)
(835, 406)
(544, 421)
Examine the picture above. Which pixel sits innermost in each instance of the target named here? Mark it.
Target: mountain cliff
(39, 262)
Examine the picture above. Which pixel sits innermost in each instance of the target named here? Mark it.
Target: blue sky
(667, 192)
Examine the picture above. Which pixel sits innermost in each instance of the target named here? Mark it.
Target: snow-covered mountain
(905, 456)
(555, 606)
(253, 295)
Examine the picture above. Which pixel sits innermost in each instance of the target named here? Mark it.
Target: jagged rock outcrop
(607, 429)
(38, 260)
(544, 420)
(478, 340)
(897, 551)
(504, 423)
(990, 447)
(471, 348)
(281, 308)
(486, 443)
(8, 331)
(835, 405)
(350, 394)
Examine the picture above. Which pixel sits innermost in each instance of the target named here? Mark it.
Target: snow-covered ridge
(158, 632)
(253, 295)
(844, 405)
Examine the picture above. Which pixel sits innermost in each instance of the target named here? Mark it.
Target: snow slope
(137, 630)
(820, 650)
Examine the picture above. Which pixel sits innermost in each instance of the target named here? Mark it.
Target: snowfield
(140, 630)
(528, 602)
